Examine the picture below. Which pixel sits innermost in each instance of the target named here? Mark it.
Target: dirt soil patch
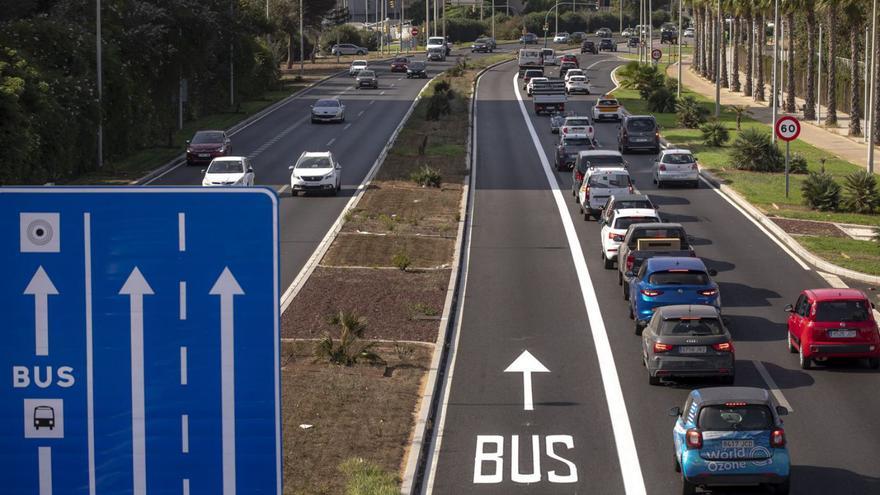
(397, 305)
(807, 227)
(360, 411)
(379, 250)
(406, 208)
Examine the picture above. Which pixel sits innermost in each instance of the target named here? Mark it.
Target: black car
(565, 67)
(481, 45)
(669, 36)
(639, 132)
(416, 69)
(607, 44)
(577, 36)
(529, 39)
(589, 47)
(633, 42)
(568, 148)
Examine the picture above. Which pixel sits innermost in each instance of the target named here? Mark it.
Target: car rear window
(632, 204)
(577, 79)
(329, 103)
(367, 73)
(652, 233)
(599, 161)
(533, 73)
(625, 222)
(640, 125)
(691, 327)
(577, 142)
(607, 103)
(609, 180)
(577, 121)
(735, 418)
(689, 277)
(853, 310)
(401, 59)
(207, 138)
(678, 158)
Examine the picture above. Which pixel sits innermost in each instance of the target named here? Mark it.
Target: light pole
(819, 82)
(867, 112)
(546, 18)
(775, 61)
(100, 82)
(717, 61)
(678, 38)
(302, 50)
(621, 16)
(871, 97)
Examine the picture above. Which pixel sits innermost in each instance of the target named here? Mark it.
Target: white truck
(438, 42)
(549, 96)
(530, 58)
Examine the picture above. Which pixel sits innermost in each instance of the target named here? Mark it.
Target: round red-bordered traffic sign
(656, 54)
(787, 128)
(414, 31)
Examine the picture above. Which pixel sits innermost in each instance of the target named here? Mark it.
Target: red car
(399, 64)
(207, 145)
(571, 59)
(833, 323)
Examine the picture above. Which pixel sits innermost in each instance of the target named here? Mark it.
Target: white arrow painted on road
(137, 287)
(41, 287)
(227, 288)
(527, 364)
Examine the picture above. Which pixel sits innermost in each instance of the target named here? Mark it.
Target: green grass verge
(861, 256)
(365, 478)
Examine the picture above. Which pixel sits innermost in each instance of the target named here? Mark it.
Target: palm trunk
(710, 29)
(704, 65)
(697, 57)
(289, 51)
(759, 59)
(750, 55)
(723, 61)
(855, 113)
(876, 109)
(790, 105)
(735, 35)
(831, 117)
(810, 97)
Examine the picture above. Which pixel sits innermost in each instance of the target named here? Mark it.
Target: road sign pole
(787, 145)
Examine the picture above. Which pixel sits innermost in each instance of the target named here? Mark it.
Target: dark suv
(607, 44)
(638, 132)
(589, 47)
(529, 39)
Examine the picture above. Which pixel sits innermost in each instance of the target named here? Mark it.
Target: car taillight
(694, 166)
(659, 347)
(565, 129)
(652, 292)
(615, 237)
(657, 135)
(630, 261)
(707, 292)
(579, 176)
(662, 168)
(723, 346)
(631, 190)
(587, 193)
(694, 439)
(589, 129)
(777, 438)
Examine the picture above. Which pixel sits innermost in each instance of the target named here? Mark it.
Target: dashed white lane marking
(330, 143)
(400, 78)
(184, 433)
(771, 385)
(391, 85)
(346, 127)
(183, 369)
(181, 314)
(277, 137)
(628, 456)
(186, 486)
(181, 232)
(361, 113)
(283, 189)
(381, 94)
(371, 102)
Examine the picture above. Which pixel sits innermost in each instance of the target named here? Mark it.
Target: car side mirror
(187, 141)
(782, 410)
(203, 171)
(290, 167)
(675, 411)
(250, 170)
(788, 308)
(630, 274)
(713, 272)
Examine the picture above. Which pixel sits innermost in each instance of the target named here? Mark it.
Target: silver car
(328, 110)
(687, 341)
(367, 79)
(348, 49)
(676, 165)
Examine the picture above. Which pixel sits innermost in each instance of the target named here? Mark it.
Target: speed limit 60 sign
(788, 128)
(656, 54)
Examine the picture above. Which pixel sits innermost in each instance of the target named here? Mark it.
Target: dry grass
(406, 209)
(355, 412)
(378, 250)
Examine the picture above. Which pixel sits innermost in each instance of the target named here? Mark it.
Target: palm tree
(759, 59)
(705, 45)
(698, 39)
(789, 104)
(735, 36)
(810, 98)
(725, 82)
(830, 7)
(855, 18)
(750, 52)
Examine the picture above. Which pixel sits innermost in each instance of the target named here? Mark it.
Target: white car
(532, 81)
(549, 55)
(229, 171)
(607, 108)
(438, 42)
(676, 165)
(577, 84)
(328, 110)
(315, 171)
(613, 231)
(577, 125)
(689, 33)
(603, 33)
(628, 32)
(561, 37)
(598, 185)
(573, 72)
(357, 66)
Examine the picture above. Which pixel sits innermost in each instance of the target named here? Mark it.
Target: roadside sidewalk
(834, 141)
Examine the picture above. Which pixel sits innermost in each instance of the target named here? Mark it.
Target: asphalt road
(527, 289)
(277, 140)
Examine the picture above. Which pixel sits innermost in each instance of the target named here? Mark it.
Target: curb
(424, 424)
(783, 236)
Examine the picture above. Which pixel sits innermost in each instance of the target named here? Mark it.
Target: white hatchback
(676, 165)
(598, 185)
(573, 72)
(357, 66)
(315, 171)
(577, 84)
(615, 229)
(229, 171)
(531, 83)
(577, 125)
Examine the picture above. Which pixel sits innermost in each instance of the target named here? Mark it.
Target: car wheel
(790, 343)
(677, 466)
(659, 184)
(687, 488)
(639, 328)
(804, 361)
(609, 264)
(619, 278)
(293, 193)
(653, 380)
(361, 52)
(313, 121)
(625, 291)
(873, 363)
(632, 315)
(586, 216)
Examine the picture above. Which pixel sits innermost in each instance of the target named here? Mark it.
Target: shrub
(438, 105)
(797, 164)
(401, 261)
(821, 192)
(754, 151)
(714, 133)
(861, 192)
(690, 113)
(644, 78)
(662, 100)
(349, 348)
(740, 111)
(427, 177)
(442, 86)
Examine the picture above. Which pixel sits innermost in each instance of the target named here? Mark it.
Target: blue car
(730, 436)
(664, 281)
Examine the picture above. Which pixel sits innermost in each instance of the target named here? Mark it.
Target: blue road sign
(140, 332)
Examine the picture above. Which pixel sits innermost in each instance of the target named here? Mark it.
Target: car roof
(228, 159)
(721, 395)
(320, 100)
(617, 169)
(679, 310)
(359, 62)
(635, 212)
(575, 136)
(835, 294)
(663, 263)
(628, 117)
(677, 150)
(210, 130)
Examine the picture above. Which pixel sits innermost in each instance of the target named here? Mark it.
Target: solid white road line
(833, 280)
(628, 456)
(771, 385)
(90, 387)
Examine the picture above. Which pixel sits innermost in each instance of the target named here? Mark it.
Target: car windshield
(609, 180)
(538, 79)
(632, 204)
(683, 277)
(547, 51)
(731, 418)
(329, 103)
(400, 60)
(416, 65)
(314, 162)
(691, 327)
(577, 142)
(841, 311)
(359, 63)
(435, 41)
(577, 121)
(533, 73)
(640, 125)
(678, 158)
(366, 73)
(625, 222)
(207, 138)
(225, 167)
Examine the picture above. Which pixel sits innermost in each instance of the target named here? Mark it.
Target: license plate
(692, 349)
(640, 140)
(737, 444)
(841, 334)
(204, 155)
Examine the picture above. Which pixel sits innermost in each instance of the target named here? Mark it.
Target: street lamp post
(678, 38)
(547, 18)
(717, 62)
(819, 82)
(493, 20)
(302, 50)
(872, 95)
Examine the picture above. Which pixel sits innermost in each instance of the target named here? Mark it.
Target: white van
(549, 55)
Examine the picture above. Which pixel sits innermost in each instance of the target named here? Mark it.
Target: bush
(349, 348)
(442, 86)
(427, 177)
(690, 113)
(401, 261)
(797, 164)
(714, 133)
(438, 105)
(861, 193)
(644, 78)
(754, 151)
(821, 192)
(662, 100)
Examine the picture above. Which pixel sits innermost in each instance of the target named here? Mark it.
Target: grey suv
(638, 132)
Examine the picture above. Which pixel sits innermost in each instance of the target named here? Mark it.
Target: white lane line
(391, 85)
(346, 127)
(361, 113)
(90, 387)
(628, 456)
(771, 385)
(833, 280)
(371, 102)
(381, 94)
(283, 189)
(183, 368)
(757, 224)
(330, 143)
(400, 78)
(181, 232)
(184, 433)
(45, 469)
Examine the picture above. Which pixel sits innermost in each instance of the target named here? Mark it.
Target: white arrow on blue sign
(141, 331)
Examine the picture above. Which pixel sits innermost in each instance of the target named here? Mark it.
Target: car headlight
(328, 176)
